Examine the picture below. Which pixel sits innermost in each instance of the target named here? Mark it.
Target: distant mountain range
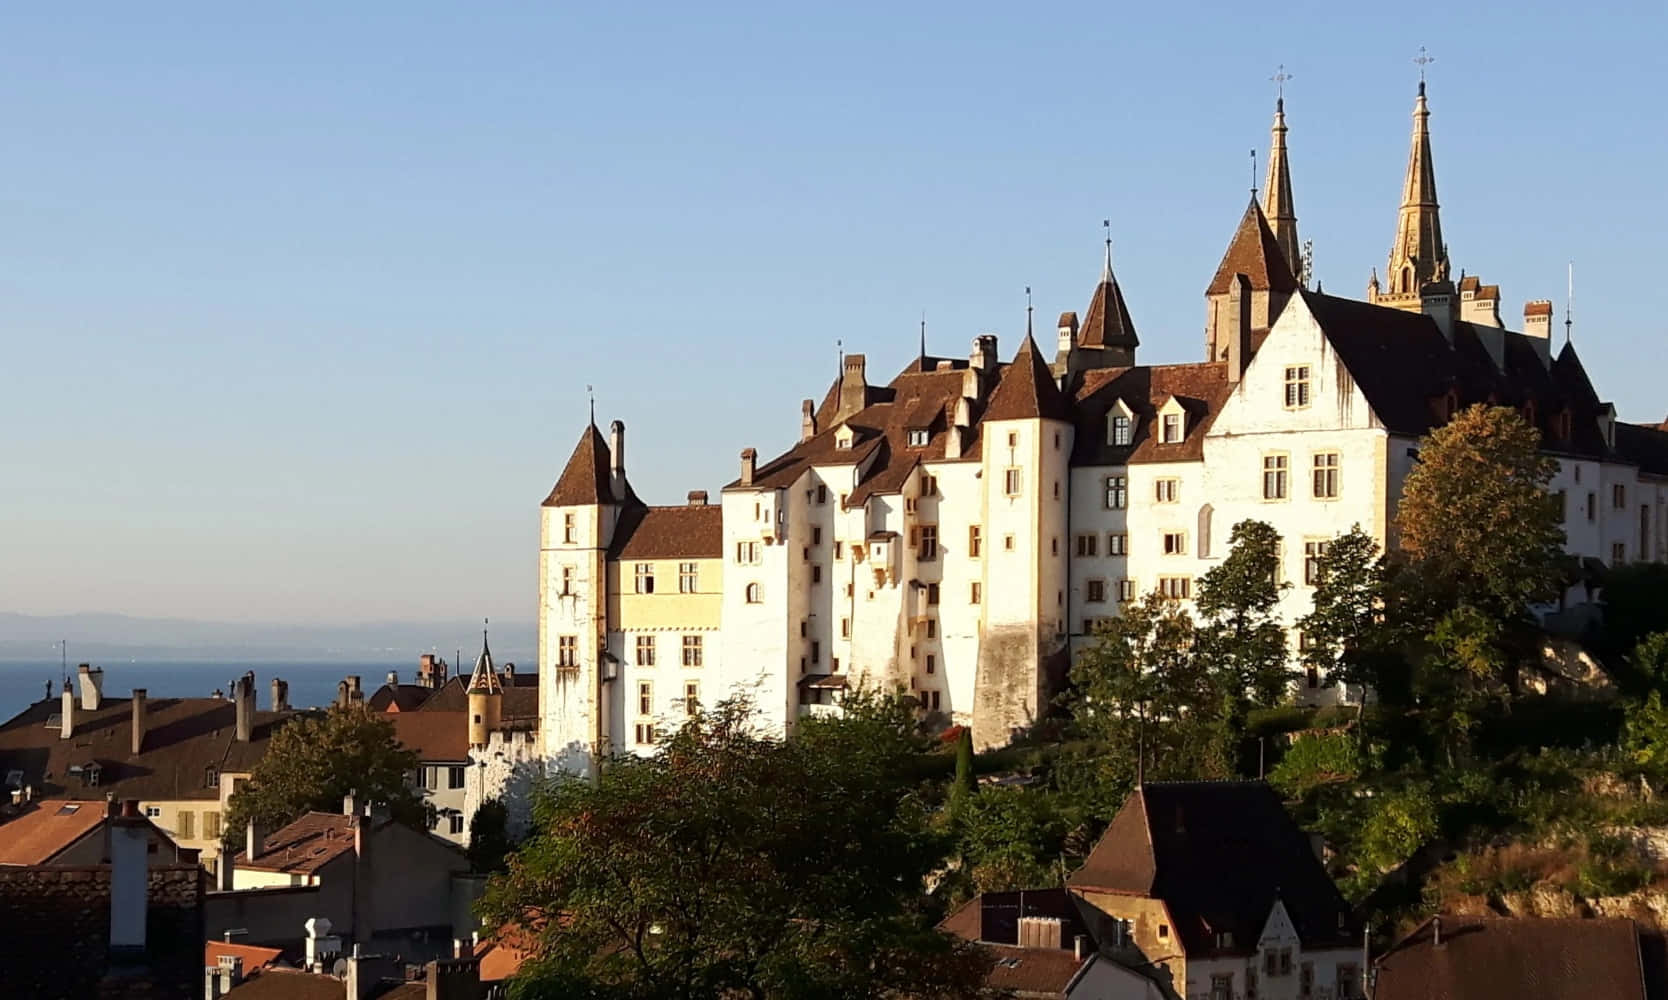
(99, 636)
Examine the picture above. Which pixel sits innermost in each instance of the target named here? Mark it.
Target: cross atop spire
(591, 394)
(1418, 257)
(1423, 59)
(1279, 80)
(1106, 272)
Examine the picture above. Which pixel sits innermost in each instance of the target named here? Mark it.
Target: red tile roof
(1200, 388)
(47, 829)
(305, 846)
(436, 736)
(398, 697)
(1027, 390)
(584, 480)
(687, 532)
(288, 984)
(253, 957)
(1218, 854)
(1255, 253)
(1549, 959)
(1107, 323)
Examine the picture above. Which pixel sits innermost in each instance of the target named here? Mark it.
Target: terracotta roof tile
(287, 984)
(1549, 959)
(1027, 390)
(304, 846)
(1218, 853)
(1255, 253)
(1107, 323)
(254, 957)
(398, 697)
(1033, 971)
(521, 697)
(436, 736)
(1201, 389)
(584, 479)
(42, 832)
(687, 532)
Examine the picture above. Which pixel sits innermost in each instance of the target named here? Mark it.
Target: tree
(1008, 838)
(1242, 637)
(1476, 516)
(489, 837)
(736, 864)
(1645, 734)
(962, 790)
(1350, 631)
(314, 762)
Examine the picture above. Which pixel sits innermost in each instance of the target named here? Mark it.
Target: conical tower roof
(1255, 253)
(1107, 324)
(1027, 390)
(584, 481)
(485, 678)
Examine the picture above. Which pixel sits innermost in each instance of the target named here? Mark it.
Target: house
(441, 741)
(365, 977)
(123, 929)
(180, 758)
(1221, 895)
(66, 832)
(1460, 958)
(379, 884)
(1040, 946)
(500, 712)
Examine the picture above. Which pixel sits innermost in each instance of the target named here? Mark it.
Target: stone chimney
(1537, 325)
(807, 420)
(225, 874)
(1065, 343)
(92, 686)
(66, 725)
(280, 695)
(243, 696)
(138, 720)
(254, 840)
(955, 443)
(1239, 327)
(1439, 306)
(616, 459)
(130, 836)
(220, 979)
(749, 463)
(455, 979)
(697, 498)
(981, 368)
(854, 387)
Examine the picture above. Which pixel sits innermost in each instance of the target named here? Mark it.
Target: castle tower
(1026, 454)
(1107, 337)
(1256, 253)
(1277, 197)
(1418, 258)
(576, 526)
(486, 698)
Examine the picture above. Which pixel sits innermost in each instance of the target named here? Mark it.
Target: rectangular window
(929, 485)
(1222, 987)
(822, 494)
(1177, 588)
(1008, 543)
(816, 652)
(1274, 477)
(1088, 545)
(932, 628)
(845, 628)
(932, 595)
(1271, 962)
(1618, 496)
(645, 698)
(687, 578)
(1171, 428)
(932, 664)
(567, 529)
(935, 699)
(1117, 544)
(1618, 553)
(747, 553)
(1013, 439)
(816, 574)
(1012, 482)
(455, 823)
(454, 776)
(211, 825)
(1117, 492)
(1312, 553)
(1297, 387)
(567, 651)
(645, 578)
(1644, 531)
(1326, 475)
(645, 733)
(839, 549)
(187, 823)
(1285, 961)
(1592, 506)
(1095, 591)
(1167, 490)
(691, 650)
(1121, 433)
(975, 593)
(929, 542)
(567, 579)
(691, 697)
(1349, 981)
(645, 651)
(1175, 543)
(1126, 591)
(1306, 979)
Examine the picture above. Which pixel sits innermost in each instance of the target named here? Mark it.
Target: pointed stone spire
(1418, 256)
(1107, 323)
(1278, 205)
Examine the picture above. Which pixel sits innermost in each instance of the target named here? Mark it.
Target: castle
(958, 531)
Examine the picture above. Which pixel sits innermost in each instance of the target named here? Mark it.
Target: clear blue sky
(298, 305)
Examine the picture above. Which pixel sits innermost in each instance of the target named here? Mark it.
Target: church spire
(1418, 256)
(1278, 204)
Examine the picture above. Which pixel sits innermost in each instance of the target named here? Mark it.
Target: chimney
(1440, 308)
(365, 973)
(854, 387)
(1239, 328)
(350, 805)
(697, 498)
(254, 840)
(457, 979)
(1537, 325)
(320, 944)
(280, 695)
(749, 460)
(1079, 946)
(1066, 342)
(67, 723)
(229, 973)
(138, 720)
(616, 459)
(393, 678)
(92, 686)
(130, 836)
(225, 878)
(807, 420)
(955, 443)
(243, 695)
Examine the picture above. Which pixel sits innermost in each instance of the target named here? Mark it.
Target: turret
(486, 698)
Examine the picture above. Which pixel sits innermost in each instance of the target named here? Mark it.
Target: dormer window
(1564, 429)
(1120, 426)
(1171, 428)
(918, 437)
(844, 437)
(211, 777)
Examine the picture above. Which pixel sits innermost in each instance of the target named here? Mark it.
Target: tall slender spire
(1278, 205)
(1419, 256)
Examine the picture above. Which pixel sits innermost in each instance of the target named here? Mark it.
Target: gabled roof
(46, 830)
(1255, 253)
(1645, 446)
(398, 697)
(1107, 323)
(1027, 390)
(584, 480)
(520, 696)
(1549, 959)
(1218, 854)
(306, 845)
(1201, 389)
(436, 736)
(687, 532)
(992, 919)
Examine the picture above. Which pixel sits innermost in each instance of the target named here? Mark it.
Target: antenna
(63, 660)
(1569, 305)
(840, 357)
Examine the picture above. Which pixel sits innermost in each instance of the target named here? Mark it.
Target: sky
(299, 302)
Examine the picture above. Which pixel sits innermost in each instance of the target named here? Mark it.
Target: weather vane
(1279, 79)
(1106, 224)
(590, 393)
(1253, 173)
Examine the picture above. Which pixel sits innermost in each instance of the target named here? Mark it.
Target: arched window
(1203, 532)
(755, 594)
(1407, 278)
